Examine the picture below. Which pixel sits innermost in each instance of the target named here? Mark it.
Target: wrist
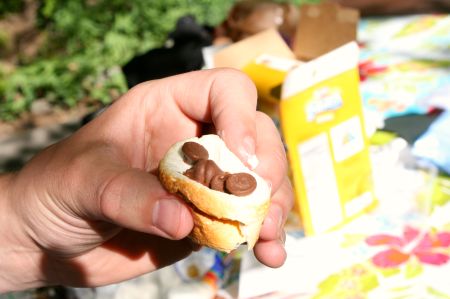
(19, 256)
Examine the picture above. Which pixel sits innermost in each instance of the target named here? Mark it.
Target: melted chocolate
(240, 184)
(203, 171)
(194, 151)
(207, 172)
(218, 182)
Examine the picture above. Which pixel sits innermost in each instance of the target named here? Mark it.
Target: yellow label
(267, 73)
(323, 128)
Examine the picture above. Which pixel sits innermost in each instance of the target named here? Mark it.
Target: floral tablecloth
(405, 63)
(366, 260)
(395, 251)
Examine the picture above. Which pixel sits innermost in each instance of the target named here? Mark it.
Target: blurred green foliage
(10, 6)
(86, 42)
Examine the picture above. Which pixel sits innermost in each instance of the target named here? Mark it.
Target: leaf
(49, 7)
(441, 191)
(413, 269)
(330, 282)
(369, 282)
(437, 293)
(387, 272)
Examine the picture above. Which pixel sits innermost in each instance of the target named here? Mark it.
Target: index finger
(227, 98)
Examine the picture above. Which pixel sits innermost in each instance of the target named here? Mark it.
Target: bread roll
(221, 221)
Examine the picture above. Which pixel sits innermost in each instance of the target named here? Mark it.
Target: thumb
(136, 200)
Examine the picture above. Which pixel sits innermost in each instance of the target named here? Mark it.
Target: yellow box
(268, 73)
(323, 126)
(267, 59)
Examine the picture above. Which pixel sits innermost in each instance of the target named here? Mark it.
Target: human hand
(90, 210)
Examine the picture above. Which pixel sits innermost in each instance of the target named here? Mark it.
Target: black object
(410, 127)
(184, 55)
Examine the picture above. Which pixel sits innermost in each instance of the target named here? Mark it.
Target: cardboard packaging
(266, 59)
(323, 127)
(323, 28)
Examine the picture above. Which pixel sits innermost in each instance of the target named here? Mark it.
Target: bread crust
(221, 221)
(222, 235)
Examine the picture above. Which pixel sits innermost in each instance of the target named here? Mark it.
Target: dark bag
(183, 55)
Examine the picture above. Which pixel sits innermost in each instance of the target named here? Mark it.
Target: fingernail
(253, 162)
(166, 215)
(247, 152)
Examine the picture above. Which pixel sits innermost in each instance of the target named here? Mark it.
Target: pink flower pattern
(430, 249)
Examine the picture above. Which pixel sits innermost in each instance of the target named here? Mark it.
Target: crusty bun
(221, 221)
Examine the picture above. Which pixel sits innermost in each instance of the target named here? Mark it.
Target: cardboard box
(266, 59)
(322, 28)
(323, 127)
(239, 54)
